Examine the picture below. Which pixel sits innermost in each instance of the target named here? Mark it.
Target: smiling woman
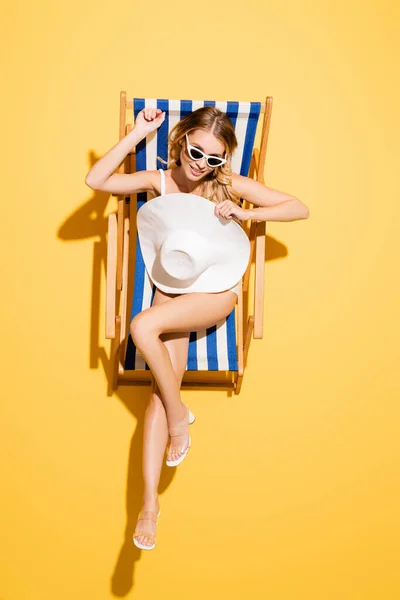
(201, 146)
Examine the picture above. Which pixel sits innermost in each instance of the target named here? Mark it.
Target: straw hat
(187, 248)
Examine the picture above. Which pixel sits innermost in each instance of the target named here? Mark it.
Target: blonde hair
(217, 185)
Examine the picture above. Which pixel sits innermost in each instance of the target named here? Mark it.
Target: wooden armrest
(257, 248)
(111, 276)
(256, 159)
(252, 237)
(259, 280)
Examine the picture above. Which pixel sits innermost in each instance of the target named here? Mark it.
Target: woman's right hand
(148, 120)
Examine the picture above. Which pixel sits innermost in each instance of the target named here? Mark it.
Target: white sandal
(146, 514)
(179, 429)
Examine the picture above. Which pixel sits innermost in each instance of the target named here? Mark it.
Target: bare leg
(156, 429)
(183, 313)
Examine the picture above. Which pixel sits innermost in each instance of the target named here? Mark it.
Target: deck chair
(217, 356)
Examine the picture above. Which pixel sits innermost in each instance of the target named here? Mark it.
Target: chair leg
(238, 383)
(249, 333)
(259, 280)
(247, 338)
(115, 353)
(240, 344)
(125, 269)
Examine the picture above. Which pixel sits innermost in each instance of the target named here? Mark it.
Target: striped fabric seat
(215, 348)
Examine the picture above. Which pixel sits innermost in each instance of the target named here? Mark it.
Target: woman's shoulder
(154, 179)
(241, 184)
(237, 178)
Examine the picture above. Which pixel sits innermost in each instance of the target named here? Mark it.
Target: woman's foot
(180, 438)
(148, 526)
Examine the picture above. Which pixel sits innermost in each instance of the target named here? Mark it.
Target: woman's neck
(183, 183)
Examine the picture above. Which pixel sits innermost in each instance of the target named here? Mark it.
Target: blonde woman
(201, 146)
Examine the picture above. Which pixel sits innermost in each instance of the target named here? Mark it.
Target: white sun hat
(187, 248)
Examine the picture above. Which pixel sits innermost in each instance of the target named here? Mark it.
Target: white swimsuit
(234, 289)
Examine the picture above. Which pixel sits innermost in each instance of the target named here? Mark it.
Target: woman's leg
(155, 436)
(183, 313)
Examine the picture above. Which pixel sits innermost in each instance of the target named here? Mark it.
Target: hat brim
(165, 214)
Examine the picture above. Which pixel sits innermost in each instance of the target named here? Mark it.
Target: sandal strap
(145, 534)
(181, 427)
(182, 447)
(177, 430)
(147, 514)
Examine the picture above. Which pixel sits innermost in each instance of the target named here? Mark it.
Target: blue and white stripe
(215, 348)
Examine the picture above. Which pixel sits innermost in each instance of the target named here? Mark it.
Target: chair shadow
(87, 222)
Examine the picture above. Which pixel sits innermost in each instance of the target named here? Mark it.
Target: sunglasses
(197, 154)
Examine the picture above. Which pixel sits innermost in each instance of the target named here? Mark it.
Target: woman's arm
(102, 177)
(273, 205)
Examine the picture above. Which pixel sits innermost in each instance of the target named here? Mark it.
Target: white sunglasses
(197, 154)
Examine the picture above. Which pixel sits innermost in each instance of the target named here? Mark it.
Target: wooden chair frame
(117, 275)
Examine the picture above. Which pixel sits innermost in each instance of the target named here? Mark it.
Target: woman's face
(206, 141)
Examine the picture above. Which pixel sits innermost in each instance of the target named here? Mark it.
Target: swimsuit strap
(162, 175)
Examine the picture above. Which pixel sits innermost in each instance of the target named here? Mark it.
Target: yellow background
(291, 489)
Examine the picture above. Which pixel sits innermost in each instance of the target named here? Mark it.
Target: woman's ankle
(150, 498)
(177, 415)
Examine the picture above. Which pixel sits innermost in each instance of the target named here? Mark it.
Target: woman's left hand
(228, 209)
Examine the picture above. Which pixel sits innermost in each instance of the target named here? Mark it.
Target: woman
(162, 331)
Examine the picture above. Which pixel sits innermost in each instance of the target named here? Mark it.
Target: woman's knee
(141, 328)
